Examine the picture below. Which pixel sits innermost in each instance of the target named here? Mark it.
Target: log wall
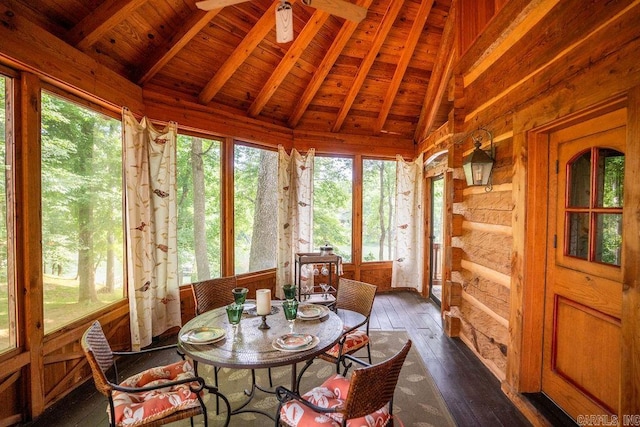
(535, 63)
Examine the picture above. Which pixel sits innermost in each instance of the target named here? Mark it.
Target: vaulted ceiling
(384, 75)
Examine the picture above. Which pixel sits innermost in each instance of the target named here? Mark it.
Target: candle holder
(264, 325)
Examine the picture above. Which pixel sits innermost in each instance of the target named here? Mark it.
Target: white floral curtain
(409, 262)
(154, 295)
(295, 212)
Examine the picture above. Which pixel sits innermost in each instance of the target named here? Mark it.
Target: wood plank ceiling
(370, 78)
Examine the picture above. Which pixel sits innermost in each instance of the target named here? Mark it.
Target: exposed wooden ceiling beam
(95, 25)
(175, 43)
(439, 78)
(405, 58)
(296, 49)
(325, 66)
(384, 28)
(241, 53)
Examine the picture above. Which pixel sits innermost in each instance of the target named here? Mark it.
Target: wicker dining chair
(213, 293)
(355, 296)
(364, 399)
(153, 397)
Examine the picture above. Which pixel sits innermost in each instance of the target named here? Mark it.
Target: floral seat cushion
(331, 394)
(355, 340)
(133, 409)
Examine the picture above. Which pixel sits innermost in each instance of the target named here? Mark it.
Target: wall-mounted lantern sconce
(477, 166)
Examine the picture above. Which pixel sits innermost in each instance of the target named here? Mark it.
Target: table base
(250, 394)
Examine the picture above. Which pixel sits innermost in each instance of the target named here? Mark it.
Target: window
(332, 204)
(199, 208)
(7, 285)
(378, 209)
(594, 216)
(82, 211)
(255, 208)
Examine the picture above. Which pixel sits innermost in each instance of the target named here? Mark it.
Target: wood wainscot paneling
(378, 273)
(64, 363)
(12, 392)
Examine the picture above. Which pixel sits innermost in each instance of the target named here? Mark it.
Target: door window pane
(82, 238)
(594, 216)
(378, 209)
(610, 178)
(255, 208)
(580, 171)
(199, 208)
(578, 235)
(7, 285)
(608, 238)
(332, 204)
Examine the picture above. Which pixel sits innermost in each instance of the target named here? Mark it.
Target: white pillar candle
(263, 302)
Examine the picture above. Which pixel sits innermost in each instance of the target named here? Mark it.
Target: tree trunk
(86, 271)
(111, 264)
(381, 213)
(199, 226)
(263, 252)
(390, 203)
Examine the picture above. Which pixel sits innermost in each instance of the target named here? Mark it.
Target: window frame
(14, 305)
(592, 210)
(106, 110)
(379, 159)
(223, 142)
(356, 199)
(230, 246)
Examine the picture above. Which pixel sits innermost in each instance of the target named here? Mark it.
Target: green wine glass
(290, 308)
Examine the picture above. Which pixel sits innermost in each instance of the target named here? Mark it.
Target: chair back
(213, 293)
(373, 387)
(98, 352)
(355, 296)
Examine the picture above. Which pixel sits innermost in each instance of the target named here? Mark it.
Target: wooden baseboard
(535, 417)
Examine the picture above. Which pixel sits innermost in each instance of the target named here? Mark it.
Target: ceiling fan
(284, 17)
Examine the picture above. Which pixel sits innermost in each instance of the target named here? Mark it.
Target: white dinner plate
(203, 335)
(312, 311)
(314, 342)
(248, 306)
(294, 341)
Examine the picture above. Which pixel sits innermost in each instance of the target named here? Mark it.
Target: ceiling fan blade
(216, 4)
(341, 8)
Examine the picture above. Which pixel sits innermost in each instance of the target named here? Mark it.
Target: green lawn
(61, 305)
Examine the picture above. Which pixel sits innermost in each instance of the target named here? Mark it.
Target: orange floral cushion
(331, 394)
(132, 409)
(355, 340)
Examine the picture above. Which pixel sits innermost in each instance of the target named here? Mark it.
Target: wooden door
(583, 298)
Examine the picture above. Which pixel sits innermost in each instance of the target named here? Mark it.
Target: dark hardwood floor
(469, 389)
(472, 393)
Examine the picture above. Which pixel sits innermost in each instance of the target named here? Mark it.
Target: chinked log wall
(536, 62)
(42, 370)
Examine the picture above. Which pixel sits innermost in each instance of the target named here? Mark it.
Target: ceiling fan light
(284, 22)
